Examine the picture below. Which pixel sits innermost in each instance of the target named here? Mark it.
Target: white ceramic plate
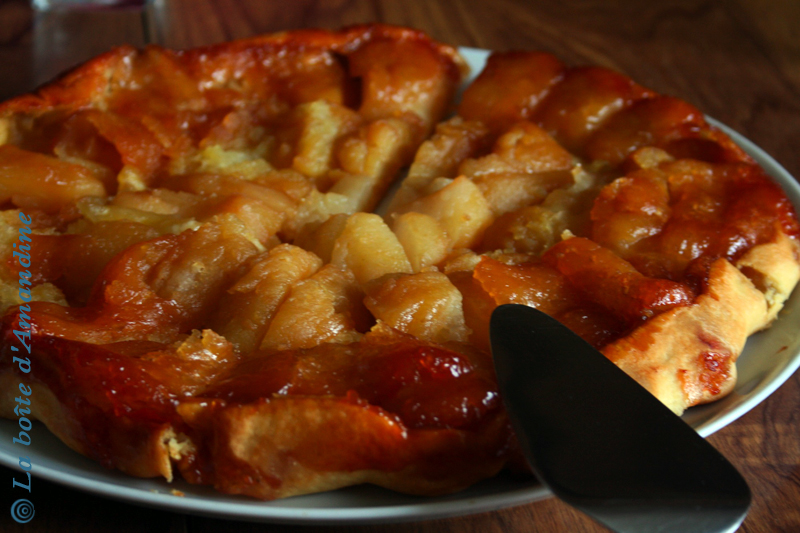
(768, 360)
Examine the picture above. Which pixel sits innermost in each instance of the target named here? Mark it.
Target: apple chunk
(247, 308)
(423, 239)
(426, 305)
(37, 181)
(369, 249)
(460, 208)
(323, 308)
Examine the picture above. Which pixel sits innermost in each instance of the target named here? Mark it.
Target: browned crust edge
(687, 356)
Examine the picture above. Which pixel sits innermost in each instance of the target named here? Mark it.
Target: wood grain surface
(738, 61)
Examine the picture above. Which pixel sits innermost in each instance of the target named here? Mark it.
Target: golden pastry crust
(687, 356)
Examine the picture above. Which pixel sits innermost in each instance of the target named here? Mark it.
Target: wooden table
(738, 61)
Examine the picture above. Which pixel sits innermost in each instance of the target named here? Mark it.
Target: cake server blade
(600, 441)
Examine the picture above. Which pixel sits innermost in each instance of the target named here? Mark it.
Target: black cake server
(600, 441)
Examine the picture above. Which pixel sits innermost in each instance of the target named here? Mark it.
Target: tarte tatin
(206, 291)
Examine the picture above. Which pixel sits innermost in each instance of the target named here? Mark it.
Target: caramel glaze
(655, 229)
(442, 404)
(125, 364)
(426, 386)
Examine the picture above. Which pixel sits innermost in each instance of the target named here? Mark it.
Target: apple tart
(212, 294)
